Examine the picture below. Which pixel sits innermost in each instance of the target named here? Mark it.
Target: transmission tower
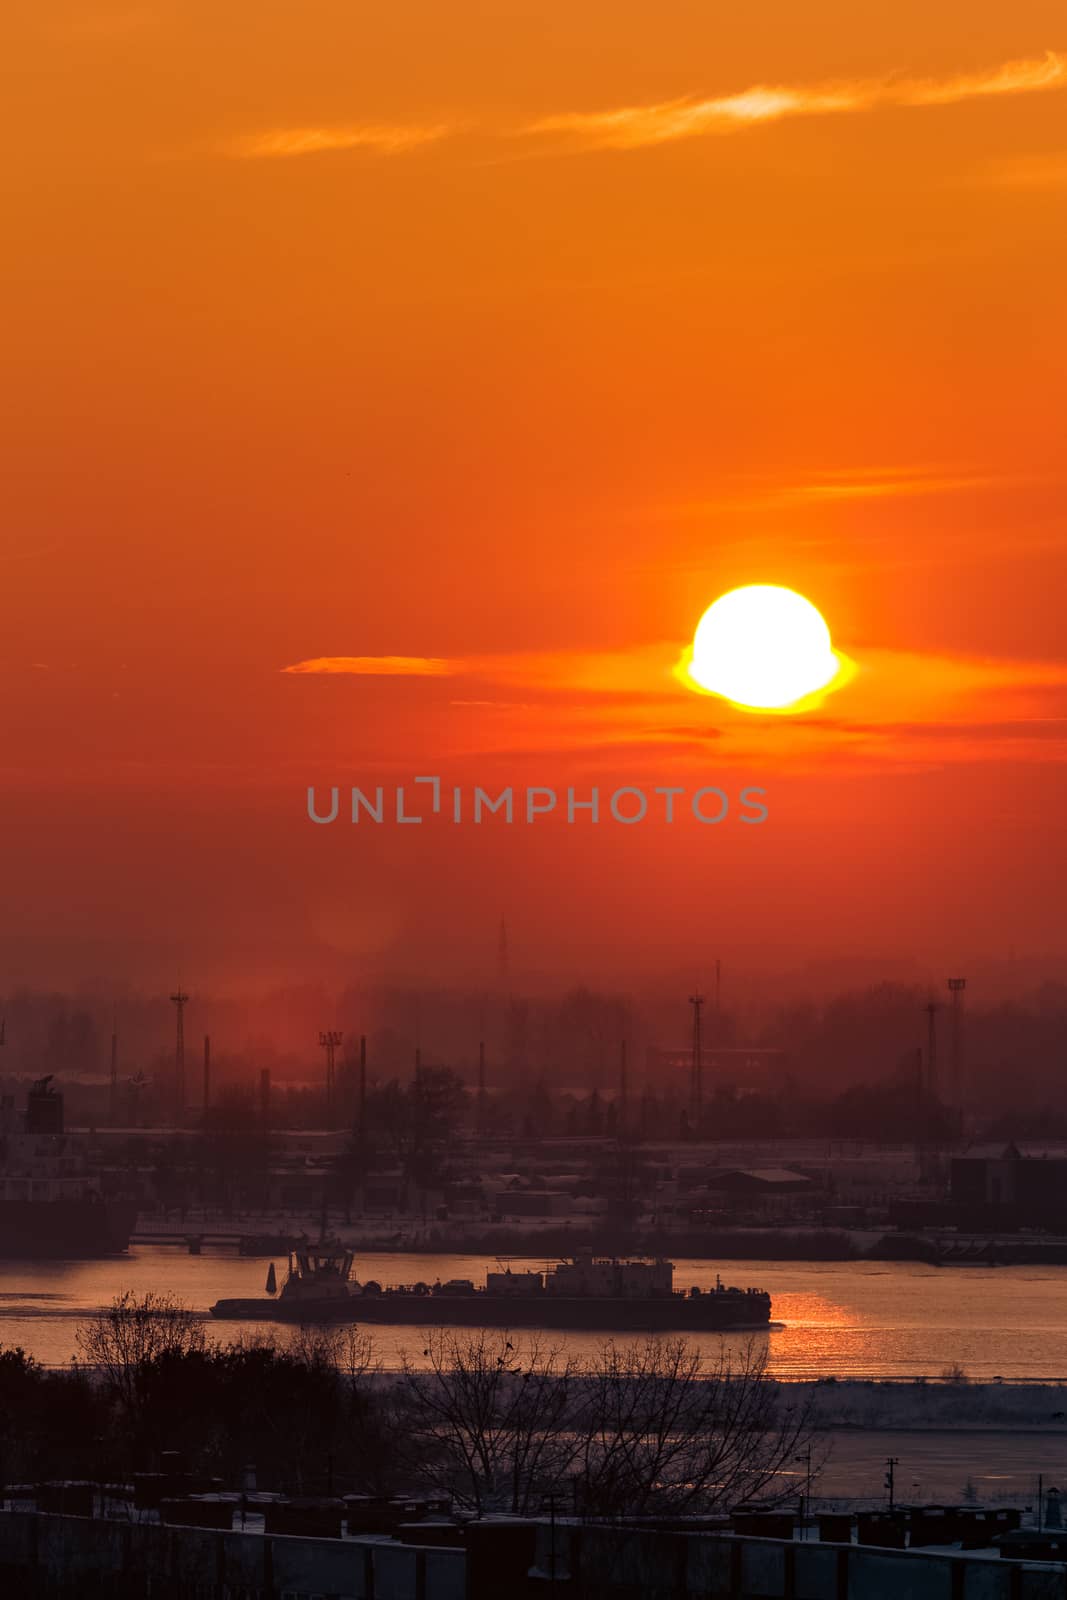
(180, 1001)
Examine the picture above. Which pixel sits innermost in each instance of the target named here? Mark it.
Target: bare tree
(133, 1334)
(344, 1348)
(664, 1430)
(653, 1427)
(491, 1418)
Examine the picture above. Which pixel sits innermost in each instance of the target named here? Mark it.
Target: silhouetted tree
(664, 1430)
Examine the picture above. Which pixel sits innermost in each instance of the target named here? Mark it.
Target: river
(840, 1319)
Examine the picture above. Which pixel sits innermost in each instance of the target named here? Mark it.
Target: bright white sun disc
(764, 647)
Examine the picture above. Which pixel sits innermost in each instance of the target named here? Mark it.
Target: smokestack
(264, 1095)
(207, 1072)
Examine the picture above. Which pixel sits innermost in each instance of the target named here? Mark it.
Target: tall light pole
(932, 1008)
(696, 1068)
(329, 1040)
(956, 986)
(180, 1001)
(113, 1100)
(362, 1083)
(622, 1120)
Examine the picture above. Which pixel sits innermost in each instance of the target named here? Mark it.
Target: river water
(841, 1319)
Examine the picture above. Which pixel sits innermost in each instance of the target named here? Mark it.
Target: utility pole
(207, 1073)
(329, 1040)
(180, 1001)
(892, 1463)
(549, 1502)
(805, 1505)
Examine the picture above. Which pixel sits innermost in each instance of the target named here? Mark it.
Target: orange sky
(507, 336)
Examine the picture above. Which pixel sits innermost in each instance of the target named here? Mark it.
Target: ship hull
(700, 1314)
(64, 1228)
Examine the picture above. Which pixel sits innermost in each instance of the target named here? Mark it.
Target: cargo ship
(584, 1291)
(51, 1203)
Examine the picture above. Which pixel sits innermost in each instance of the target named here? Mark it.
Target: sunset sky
(390, 389)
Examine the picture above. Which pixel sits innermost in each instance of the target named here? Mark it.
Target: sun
(762, 647)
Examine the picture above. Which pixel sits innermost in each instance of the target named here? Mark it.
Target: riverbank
(538, 1240)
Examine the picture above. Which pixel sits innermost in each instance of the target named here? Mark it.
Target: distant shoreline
(943, 1249)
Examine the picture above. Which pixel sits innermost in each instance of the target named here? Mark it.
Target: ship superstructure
(51, 1202)
(583, 1291)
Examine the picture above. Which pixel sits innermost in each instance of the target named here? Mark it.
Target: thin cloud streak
(846, 483)
(634, 672)
(1014, 77)
(892, 711)
(382, 138)
(644, 675)
(376, 666)
(634, 127)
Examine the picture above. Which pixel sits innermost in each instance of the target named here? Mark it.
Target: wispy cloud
(898, 708)
(843, 484)
(574, 672)
(377, 666)
(887, 483)
(382, 138)
(1014, 77)
(631, 127)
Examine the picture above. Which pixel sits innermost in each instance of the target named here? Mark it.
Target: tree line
(497, 1421)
